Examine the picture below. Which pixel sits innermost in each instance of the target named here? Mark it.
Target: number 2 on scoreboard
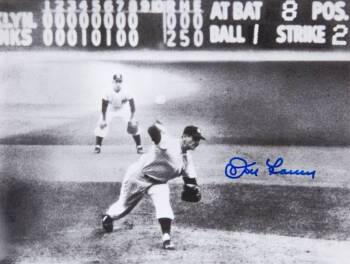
(340, 32)
(171, 35)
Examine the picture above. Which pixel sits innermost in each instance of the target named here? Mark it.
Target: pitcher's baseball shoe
(168, 245)
(139, 150)
(107, 223)
(97, 149)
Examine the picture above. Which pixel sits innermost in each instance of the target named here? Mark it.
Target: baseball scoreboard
(174, 24)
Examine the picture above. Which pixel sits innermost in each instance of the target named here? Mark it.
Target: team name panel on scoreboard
(174, 24)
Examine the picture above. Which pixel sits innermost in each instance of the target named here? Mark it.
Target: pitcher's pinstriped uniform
(150, 174)
(167, 159)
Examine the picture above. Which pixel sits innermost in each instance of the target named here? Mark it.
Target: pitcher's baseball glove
(191, 193)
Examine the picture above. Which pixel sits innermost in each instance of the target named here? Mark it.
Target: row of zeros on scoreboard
(109, 6)
(66, 22)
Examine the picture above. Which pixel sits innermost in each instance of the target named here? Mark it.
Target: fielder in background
(167, 159)
(113, 103)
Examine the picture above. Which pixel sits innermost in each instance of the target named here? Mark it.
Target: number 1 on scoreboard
(164, 26)
(256, 34)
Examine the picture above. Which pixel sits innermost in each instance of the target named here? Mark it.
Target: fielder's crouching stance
(117, 97)
(166, 160)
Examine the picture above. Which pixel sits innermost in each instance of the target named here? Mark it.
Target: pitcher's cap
(194, 132)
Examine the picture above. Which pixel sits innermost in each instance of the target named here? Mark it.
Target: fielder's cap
(194, 132)
(118, 77)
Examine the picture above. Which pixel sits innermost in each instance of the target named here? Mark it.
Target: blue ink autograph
(237, 167)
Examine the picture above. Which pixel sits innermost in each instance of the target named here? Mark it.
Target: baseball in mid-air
(160, 99)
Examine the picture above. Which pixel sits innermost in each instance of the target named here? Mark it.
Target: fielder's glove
(103, 124)
(133, 127)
